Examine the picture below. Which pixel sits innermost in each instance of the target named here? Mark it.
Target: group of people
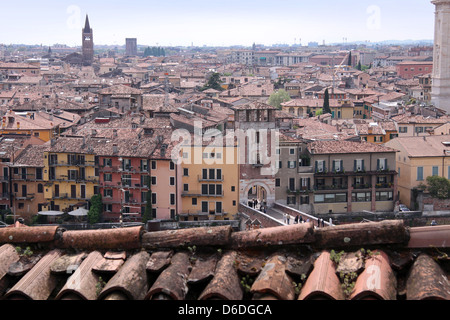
(299, 219)
(258, 205)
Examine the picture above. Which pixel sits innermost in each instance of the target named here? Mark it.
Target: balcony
(4, 196)
(298, 191)
(199, 194)
(331, 187)
(361, 186)
(28, 196)
(71, 163)
(218, 179)
(384, 185)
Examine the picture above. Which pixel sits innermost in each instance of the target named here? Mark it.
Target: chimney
(115, 133)
(115, 149)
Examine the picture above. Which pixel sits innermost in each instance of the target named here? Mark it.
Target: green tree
(438, 187)
(359, 66)
(326, 102)
(214, 82)
(349, 62)
(96, 209)
(278, 97)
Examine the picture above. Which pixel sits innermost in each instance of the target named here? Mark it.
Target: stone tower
(88, 44)
(440, 95)
(131, 46)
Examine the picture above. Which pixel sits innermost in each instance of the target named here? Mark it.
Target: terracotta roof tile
(210, 263)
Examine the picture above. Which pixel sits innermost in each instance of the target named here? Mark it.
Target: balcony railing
(362, 186)
(331, 187)
(217, 179)
(200, 194)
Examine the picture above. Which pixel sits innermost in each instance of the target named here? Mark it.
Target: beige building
(353, 176)
(417, 159)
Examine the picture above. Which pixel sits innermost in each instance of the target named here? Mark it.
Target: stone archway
(263, 190)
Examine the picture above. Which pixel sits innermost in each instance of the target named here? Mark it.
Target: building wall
(229, 180)
(65, 200)
(26, 206)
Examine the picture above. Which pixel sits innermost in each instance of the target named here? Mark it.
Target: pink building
(411, 69)
(131, 168)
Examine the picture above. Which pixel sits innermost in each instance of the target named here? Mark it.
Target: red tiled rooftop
(283, 263)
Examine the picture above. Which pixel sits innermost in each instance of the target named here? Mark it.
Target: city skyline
(201, 22)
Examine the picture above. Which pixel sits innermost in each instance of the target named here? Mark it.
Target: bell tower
(440, 95)
(88, 44)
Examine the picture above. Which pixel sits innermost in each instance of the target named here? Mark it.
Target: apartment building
(294, 180)
(353, 177)
(27, 179)
(417, 159)
(70, 172)
(210, 181)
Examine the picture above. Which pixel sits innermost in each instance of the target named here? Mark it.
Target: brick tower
(88, 44)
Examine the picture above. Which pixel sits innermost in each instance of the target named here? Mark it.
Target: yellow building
(210, 182)
(39, 124)
(417, 159)
(376, 132)
(71, 175)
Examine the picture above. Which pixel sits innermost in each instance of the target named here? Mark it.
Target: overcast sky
(213, 22)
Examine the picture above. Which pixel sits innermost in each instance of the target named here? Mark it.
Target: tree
(214, 82)
(349, 62)
(96, 209)
(326, 102)
(359, 66)
(278, 97)
(438, 187)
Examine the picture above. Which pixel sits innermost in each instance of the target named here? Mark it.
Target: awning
(79, 212)
(50, 213)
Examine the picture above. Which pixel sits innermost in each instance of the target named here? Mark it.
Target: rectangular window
(204, 189)
(185, 187)
(126, 180)
(72, 175)
(194, 201)
(144, 166)
(153, 165)
(382, 164)
(218, 207)
(337, 165)
(435, 171)
(419, 173)
(172, 181)
(107, 193)
(172, 199)
(292, 184)
(384, 196)
(205, 207)
(38, 173)
(153, 198)
(185, 172)
(219, 189)
(361, 197)
(277, 181)
(320, 166)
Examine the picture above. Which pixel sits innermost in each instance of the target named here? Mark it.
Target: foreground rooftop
(383, 260)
